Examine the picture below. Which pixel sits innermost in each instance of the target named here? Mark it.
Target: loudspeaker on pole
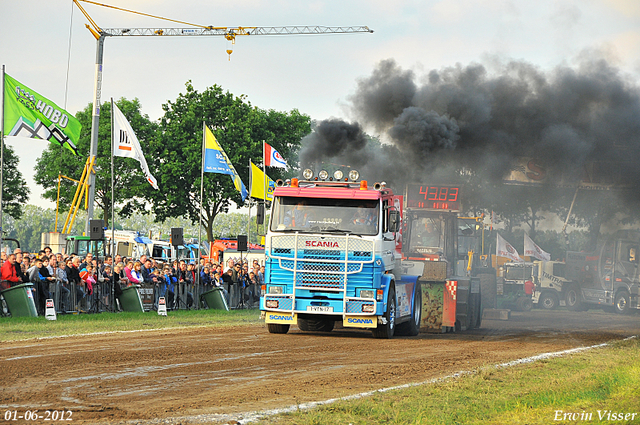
(242, 243)
(96, 230)
(176, 236)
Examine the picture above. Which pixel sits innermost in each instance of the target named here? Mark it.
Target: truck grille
(324, 267)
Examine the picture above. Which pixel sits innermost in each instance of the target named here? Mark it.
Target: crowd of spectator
(84, 283)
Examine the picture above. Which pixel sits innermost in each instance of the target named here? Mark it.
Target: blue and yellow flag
(258, 182)
(216, 161)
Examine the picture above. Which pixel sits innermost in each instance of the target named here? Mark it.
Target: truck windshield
(311, 215)
(426, 234)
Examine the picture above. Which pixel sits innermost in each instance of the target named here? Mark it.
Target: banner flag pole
(113, 211)
(249, 223)
(2, 159)
(264, 170)
(201, 199)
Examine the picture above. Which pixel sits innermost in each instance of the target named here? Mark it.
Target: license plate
(319, 309)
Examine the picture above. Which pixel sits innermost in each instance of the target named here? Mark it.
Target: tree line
(173, 149)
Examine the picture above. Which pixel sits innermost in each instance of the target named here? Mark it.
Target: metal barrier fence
(72, 298)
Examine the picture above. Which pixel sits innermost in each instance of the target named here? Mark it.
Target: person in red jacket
(8, 273)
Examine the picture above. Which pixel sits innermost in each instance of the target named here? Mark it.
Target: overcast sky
(314, 74)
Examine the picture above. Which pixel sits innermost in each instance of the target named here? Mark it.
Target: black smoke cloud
(464, 117)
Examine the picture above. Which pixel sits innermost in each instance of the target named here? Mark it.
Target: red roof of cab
(327, 192)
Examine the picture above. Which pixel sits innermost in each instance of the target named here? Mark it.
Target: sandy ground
(176, 373)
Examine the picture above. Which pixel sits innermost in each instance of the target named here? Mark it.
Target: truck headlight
(276, 290)
(367, 293)
(307, 174)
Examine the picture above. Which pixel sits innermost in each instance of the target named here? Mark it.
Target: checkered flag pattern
(452, 287)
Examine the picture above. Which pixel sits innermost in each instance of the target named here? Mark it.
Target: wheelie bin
(215, 299)
(19, 300)
(130, 299)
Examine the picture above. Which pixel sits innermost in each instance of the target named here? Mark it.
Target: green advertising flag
(28, 114)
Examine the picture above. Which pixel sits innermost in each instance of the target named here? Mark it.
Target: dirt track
(177, 373)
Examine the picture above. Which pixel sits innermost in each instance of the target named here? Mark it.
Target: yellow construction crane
(230, 33)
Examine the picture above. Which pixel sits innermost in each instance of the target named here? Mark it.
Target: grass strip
(22, 328)
(589, 387)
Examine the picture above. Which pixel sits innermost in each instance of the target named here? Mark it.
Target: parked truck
(607, 277)
(548, 278)
(334, 253)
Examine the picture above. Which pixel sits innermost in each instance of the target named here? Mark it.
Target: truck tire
(475, 310)
(524, 304)
(387, 330)
(548, 301)
(621, 302)
(488, 288)
(573, 298)
(315, 325)
(412, 327)
(276, 328)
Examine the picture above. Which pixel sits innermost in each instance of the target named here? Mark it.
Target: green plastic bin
(130, 299)
(19, 300)
(215, 299)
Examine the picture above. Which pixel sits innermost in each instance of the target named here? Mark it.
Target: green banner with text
(28, 114)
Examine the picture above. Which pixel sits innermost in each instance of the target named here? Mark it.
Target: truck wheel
(315, 325)
(276, 328)
(548, 301)
(573, 298)
(524, 304)
(621, 302)
(478, 310)
(412, 327)
(387, 330)
(488, 288)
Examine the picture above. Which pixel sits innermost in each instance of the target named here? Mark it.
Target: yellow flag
(259, 181)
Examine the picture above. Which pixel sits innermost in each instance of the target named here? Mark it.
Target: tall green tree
(15, 192)
(129, 182)
(240, 128)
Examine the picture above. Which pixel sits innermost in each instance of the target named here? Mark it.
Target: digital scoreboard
(434, 197)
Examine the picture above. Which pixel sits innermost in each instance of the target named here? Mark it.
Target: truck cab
(551, 283)
(331, 256)
(511, 292)
(608, 277)
(81, 245)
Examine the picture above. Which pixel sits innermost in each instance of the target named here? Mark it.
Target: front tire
(387, 330)
(548, 301)
(412, 327)
(276, 328)
(621, 302)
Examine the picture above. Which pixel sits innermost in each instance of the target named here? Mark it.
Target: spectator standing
(63, 285)
(9, 277)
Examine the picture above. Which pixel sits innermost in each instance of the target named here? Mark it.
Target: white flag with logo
(505, 249)
(533, 250)
(126, 144)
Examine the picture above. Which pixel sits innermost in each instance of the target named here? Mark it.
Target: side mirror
(394, 221)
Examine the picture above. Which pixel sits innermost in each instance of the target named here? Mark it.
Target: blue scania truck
(334, 254)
